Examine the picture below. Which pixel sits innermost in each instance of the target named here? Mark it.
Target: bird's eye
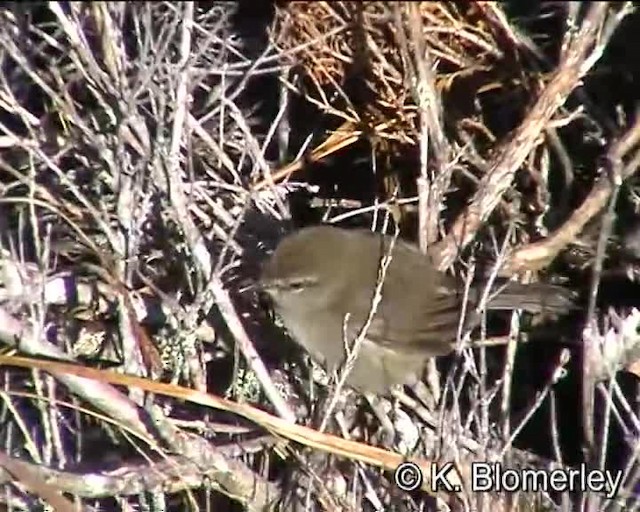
(296, 286)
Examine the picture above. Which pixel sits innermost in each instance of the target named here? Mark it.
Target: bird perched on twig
(322, 281)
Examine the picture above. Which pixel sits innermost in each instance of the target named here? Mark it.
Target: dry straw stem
(378, 457)
(343, 137)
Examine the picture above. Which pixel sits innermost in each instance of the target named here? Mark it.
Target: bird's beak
(252, 287)
(266, 286)
(259, 286)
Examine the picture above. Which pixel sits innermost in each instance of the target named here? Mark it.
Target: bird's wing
(433, 332)
(419, 309)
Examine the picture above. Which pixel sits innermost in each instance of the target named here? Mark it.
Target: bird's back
(412, 315)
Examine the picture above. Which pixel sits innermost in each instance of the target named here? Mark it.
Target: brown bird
(323, 279)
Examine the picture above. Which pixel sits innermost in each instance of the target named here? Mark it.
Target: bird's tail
(534, 297)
